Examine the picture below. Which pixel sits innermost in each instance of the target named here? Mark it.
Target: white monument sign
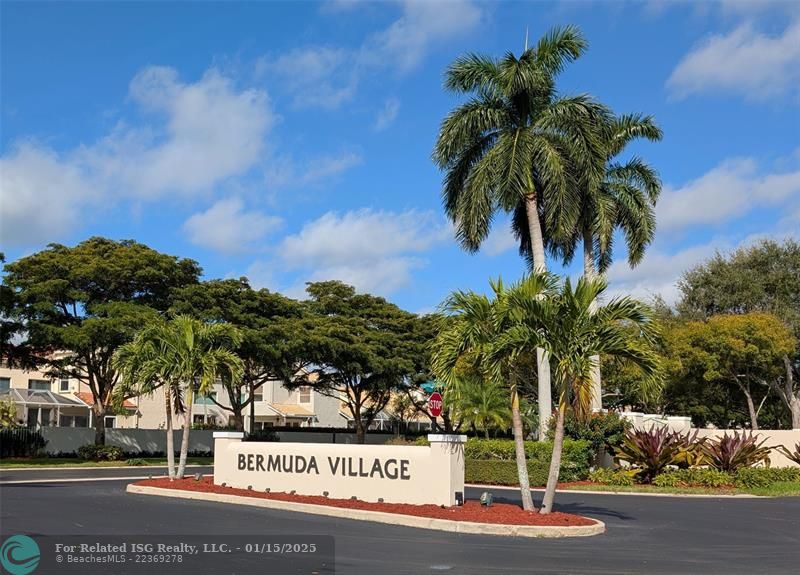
(394, 473)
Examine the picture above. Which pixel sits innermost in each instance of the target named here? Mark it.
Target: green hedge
(749, 477)
(493, 461)
(694, 477)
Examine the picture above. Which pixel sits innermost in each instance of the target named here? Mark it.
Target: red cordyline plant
(651, 450)
(732, 452)
(793, 455)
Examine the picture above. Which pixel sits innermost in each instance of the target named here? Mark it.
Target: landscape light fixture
(324, 493)
(486, 499)
(198, 476)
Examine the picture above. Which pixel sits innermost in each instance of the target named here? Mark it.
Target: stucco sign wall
(396, 474)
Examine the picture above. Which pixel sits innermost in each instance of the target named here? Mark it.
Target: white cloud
(387, 115)
(744, 60)
(375, 251)
(202, 134)
(227, 227)
(500, 240)
(731, 190)
(284, 171)
(423, 24)
(325, 76)
(41, 195)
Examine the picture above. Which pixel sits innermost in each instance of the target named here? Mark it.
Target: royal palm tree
(186, 353)
(623, 200)
(573, 335)
(465, 345)
(517, 146)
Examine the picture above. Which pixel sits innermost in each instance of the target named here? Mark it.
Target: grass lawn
(21, 463)
(781, 489)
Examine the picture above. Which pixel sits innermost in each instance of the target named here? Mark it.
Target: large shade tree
(79, 304)
(764, 277)
(359, 349)
(270, 342)
(517, 146)
(185, 354)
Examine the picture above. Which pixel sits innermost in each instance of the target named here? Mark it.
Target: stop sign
(435, 404)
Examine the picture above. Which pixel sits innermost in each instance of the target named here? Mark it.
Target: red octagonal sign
(435, 404)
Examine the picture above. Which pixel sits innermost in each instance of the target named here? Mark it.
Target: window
(198, 420)
(40, 384)
(5, 383)
(258, 394)
(304, 394)
(111, 422)
(64, 386)
(73, 421)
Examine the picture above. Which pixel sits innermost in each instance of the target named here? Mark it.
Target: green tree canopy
(270, 327)
(79, 304)
(359, 349)
(734, 355)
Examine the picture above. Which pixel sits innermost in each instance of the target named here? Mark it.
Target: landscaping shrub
(493, 461)
(732, 452)
(693, 478)
(601, 430)
(135, 462)
(650, 450)
(748, 477)
(20, 442)
(606, 476)
(92, 452)
(690, 451)
(793, 455)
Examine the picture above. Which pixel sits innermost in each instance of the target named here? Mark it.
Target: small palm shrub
(732, 452)
(793, 455)
(693, 478)
(617, 477)
(650, 450)
(92, 452)
(749, 477)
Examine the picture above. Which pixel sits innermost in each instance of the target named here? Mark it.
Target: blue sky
(291, 142)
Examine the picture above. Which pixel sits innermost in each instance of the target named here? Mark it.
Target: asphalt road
(42, 475)
(644, 534)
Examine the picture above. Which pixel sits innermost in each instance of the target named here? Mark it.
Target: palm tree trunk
(187, 427)
(170, 438)
(542, 360)
(519, 450)
(590, 274)
(555, 462)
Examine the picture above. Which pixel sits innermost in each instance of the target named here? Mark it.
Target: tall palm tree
(465, 345)
(134, 362)
(187, 353)
(573, 336)
(517, 145)
(623, 199)
(482, 405)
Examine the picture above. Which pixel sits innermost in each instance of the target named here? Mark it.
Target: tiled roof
(292, 409)
(87, 398)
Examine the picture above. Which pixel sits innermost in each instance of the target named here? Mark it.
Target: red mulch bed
(500, 513)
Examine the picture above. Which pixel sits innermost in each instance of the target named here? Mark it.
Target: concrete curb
(381, 517)
(634, 493)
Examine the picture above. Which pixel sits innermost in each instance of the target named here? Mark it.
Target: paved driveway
(645, 534)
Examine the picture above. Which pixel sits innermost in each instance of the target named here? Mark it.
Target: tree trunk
(170, 438)
(792, 397)
(99, 411)
(187, 427)
(238, 419)
(794, 407)
(590, 274)
(545, 397)
(555, 462)
(519, 450)
(361, 433)
(751, 409)
(252, 409)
